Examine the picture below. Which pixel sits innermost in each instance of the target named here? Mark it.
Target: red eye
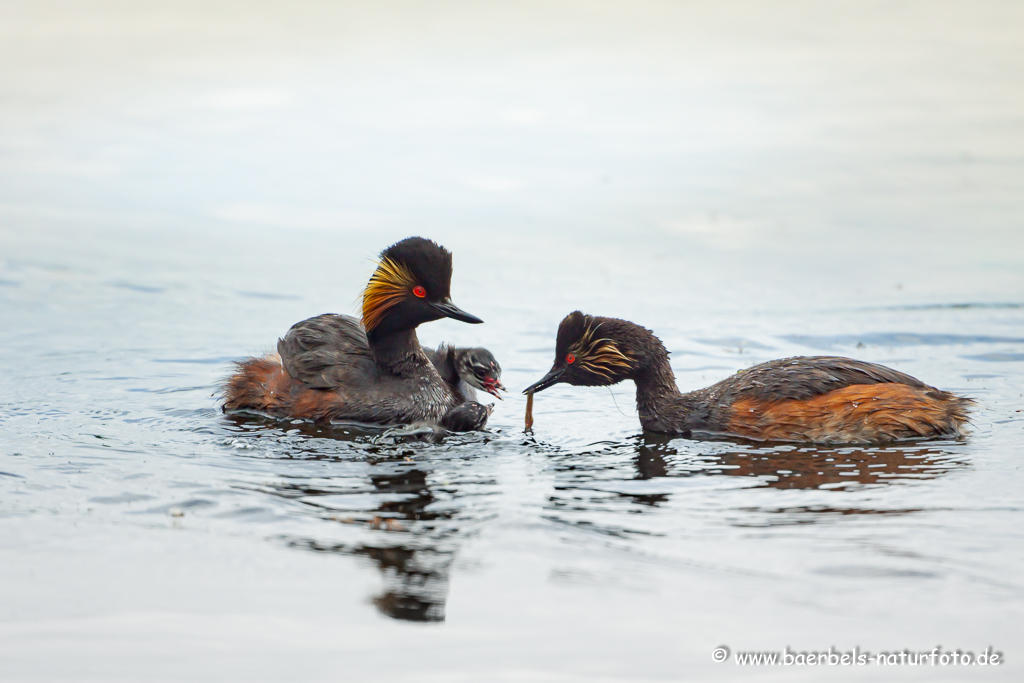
(570, 358)
(419, 291)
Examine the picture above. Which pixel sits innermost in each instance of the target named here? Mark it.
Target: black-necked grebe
(331, 368)
(816, 399)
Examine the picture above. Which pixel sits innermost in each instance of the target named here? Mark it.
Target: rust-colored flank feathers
(263, 385)
(599, 355)
(854, 414)
(388, 286)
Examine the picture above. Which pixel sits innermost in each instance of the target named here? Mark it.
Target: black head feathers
(412, 285)
(590, 351)
(429, 263)
(570, 330)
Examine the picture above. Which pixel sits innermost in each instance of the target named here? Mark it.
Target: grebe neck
(660, 404)
(399, 353)
(656, 387)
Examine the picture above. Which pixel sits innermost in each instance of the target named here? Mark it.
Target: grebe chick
(466, 370)
(805, 399)
(332, 368)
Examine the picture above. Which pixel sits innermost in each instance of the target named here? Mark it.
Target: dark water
(180, 187)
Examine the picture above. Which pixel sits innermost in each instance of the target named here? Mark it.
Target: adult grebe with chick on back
(332, 368)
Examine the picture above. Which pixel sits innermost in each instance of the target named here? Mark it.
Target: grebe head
(412, 285)
(590, 351)
(479, 369)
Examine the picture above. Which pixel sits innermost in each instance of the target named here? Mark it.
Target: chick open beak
(492, 385)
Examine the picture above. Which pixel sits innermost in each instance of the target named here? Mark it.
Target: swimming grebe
(331, 368)
(809, 399)
(466, 370)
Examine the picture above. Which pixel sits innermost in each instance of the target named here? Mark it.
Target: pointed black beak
(449, 310)
(546, 381)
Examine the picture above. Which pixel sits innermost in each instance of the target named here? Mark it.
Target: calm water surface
(180, 186)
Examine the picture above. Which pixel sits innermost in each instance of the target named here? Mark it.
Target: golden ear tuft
(389, 284)
(600, 355)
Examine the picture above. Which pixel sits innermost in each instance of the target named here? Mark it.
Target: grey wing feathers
(321, 351)
(805, 377)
